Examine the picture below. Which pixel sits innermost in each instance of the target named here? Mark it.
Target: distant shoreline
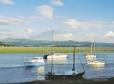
(44, 50)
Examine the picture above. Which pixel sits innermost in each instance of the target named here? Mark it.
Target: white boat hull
(38, 61)
(56, 56)
(96, 64)
(34, 63)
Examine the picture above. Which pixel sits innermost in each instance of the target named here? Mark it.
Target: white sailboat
(97, 63)
(92, 61)
(90, 56)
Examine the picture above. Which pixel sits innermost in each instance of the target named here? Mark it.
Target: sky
(80, 20)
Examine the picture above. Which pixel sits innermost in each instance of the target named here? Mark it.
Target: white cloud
(10, 20)
(29, 30)
(4, 33)
(57, 2)
(109, 34)
(6, 2)
(45, 11)
(73, 23)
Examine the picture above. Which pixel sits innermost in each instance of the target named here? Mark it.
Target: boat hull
(55, 56)
(50, 76)
(34, 64)
(97, 65)
(37, 61)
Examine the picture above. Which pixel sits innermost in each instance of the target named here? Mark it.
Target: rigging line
(52, 51)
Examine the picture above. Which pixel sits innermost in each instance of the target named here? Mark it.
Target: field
(50, 49)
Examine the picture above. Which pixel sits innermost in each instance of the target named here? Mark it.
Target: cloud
(6, 2)
(109, 34)
(4, 33)
(72, 23)
(10, 20)
(45, 11)
(57, 2)
(29, 30)
(75, 24)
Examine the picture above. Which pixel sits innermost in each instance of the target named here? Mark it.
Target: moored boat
(55, 56)
(68, 75)
(36, 61)
(97, 63)
(72, 75)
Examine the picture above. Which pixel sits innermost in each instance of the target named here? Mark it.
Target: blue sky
(70, 19)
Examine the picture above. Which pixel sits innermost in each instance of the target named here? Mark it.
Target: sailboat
(92, 61)
(72, 74)
(56, 56)
(97, 63)
(90, 56)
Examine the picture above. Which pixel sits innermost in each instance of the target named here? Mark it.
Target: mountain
(46, 43)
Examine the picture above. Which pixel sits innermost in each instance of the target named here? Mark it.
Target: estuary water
(14, 70)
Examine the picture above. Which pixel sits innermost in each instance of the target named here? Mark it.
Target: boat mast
(92, 45)
(73, 69)
(91, 48)
(52, 51)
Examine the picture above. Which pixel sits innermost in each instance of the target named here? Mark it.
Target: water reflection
(96, 68)
(40, 70)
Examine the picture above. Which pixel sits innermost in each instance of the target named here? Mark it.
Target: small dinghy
(36, 61)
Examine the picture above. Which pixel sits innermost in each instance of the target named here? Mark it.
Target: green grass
(50, 49)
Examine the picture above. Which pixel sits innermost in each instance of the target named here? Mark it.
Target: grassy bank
(49, 49)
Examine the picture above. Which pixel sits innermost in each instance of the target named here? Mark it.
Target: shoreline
(81, 81)
(44, 50)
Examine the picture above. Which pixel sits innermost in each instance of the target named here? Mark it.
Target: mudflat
(81, 81)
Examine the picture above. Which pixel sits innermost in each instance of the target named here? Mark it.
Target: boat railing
(100, 59)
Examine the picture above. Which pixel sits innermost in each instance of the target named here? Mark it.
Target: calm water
(13, 69)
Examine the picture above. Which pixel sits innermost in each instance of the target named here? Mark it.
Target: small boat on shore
(36, 61)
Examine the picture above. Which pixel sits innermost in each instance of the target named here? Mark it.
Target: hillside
(45, 43)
